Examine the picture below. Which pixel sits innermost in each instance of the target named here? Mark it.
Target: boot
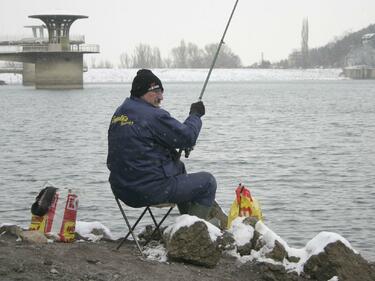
(216, 213)
(184, 207)
(199, 210)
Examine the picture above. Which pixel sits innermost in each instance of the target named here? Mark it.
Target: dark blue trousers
(195, 187)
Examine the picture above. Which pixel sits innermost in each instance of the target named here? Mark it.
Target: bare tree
(157, 61)
(125, 61)
(179, 55)
(142, 56)
(226, 58)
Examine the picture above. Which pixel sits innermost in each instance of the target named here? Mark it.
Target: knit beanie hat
(144, 82)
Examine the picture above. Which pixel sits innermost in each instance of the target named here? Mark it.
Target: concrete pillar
(28, 74)
(59, 71)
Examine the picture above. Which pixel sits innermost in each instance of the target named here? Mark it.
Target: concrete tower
(58, 61)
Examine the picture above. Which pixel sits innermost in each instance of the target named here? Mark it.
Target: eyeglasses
(155, 89)
(158, 91)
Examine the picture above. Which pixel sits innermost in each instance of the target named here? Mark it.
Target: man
(143, 139)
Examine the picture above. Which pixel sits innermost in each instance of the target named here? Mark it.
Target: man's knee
(212, 185)
(210, 190)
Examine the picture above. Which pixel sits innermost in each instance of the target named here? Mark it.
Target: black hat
(144, 82)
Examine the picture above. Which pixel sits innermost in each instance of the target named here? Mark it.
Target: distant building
(53, 62)
(369, 40)
(360, 62)
(365, 54)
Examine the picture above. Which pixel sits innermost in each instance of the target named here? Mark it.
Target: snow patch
(186, 220)
(85, 230)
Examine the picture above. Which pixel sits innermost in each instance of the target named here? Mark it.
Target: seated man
(143, 139)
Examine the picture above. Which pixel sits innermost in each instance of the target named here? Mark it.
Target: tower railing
(80, 48)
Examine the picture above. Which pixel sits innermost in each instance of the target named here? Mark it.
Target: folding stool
(131, 228)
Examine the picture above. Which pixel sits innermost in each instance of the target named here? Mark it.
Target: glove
(198, 108)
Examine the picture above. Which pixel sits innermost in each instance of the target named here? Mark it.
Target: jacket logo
(122, 119)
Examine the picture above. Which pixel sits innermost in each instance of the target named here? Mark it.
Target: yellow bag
(244, 206)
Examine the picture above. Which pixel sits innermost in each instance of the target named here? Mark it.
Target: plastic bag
(244, 205)
(60, 218)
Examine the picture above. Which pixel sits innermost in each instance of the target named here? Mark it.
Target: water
(306, 150)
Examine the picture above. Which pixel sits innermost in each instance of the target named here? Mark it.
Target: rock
(293, 259)
(147, 232)
(33, 236)
(250, 221)
(278, 252)
(257, 242)
(192, 244)
(100, 232)
(47, 262)
(226, 242)
(54, 271)
(338, 260)
(267, 272)
(12, 230)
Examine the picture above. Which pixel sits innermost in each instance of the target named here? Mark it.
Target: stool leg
(157, 225)
(130, 230)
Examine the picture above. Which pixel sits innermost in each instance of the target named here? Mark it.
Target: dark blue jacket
(142, 143)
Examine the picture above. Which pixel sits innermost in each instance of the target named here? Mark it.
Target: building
(55, 62)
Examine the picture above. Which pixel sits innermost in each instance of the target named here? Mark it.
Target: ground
(100, 261)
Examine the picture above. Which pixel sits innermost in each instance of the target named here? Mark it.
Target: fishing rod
(189, 149)
(217, 53)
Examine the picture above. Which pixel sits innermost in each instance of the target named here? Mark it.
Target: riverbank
(99, 261)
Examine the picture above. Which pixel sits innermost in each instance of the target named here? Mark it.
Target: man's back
(141, 143)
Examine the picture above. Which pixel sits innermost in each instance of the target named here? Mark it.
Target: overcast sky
(269, 26)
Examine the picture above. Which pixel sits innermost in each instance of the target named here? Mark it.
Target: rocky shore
(21, 259)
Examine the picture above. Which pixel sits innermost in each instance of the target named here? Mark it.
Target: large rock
(26, 235)
(338, 260)
(11, 230)
(193, 244)
(33, 236)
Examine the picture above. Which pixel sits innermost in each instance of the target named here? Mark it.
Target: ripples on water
(305, 149)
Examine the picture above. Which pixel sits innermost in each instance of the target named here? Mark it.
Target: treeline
(334, 54)
(186, 55)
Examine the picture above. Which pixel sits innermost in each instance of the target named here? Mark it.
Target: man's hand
(198, 108)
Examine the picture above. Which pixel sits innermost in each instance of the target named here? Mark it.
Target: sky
(271, 27)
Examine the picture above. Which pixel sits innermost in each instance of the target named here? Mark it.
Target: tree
(146, 57)
(125, 61)
(195, 56)
(157, 61)
(179, 55)
(142, 56)
(226, 58)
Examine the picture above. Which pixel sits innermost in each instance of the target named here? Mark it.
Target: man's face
(154, 97)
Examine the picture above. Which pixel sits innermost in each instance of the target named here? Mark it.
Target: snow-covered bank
(199, 75)
(242, 234)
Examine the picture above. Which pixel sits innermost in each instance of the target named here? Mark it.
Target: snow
(85, 230)
(199, 75)
(315, 246)
(157, 253)
(242, 233)
(186, 220)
